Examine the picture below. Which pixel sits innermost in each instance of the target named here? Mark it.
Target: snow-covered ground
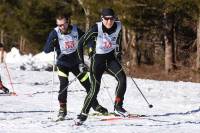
(176, 104)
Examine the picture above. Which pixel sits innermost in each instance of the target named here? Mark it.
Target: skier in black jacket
(65, 39)
(105, 54)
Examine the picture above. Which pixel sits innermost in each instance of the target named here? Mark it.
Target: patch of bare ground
(156, 72)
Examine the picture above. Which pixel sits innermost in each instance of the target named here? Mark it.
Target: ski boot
(62, 113)
(119, 110)
(80, 119)
(101, 110)
(4, 89)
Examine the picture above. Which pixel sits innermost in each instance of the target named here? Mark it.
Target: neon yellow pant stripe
(62, 74)
(84, 78)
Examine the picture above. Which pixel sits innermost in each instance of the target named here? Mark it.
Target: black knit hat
(108, 12)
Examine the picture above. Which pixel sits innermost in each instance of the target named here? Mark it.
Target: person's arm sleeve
(51, 41)
(84, 40)
(91, 47)
(80, 33)
(119, 42)
(118, 50)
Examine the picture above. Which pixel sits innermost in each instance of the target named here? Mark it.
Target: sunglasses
(61, 25)
(108, 18)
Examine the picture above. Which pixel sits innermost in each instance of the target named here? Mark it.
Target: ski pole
(13, 93)
(51, 103)
(71, 81)
(150, 105)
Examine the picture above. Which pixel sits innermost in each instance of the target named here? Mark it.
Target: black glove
(83, 67)
(90, 54)
(118, 56)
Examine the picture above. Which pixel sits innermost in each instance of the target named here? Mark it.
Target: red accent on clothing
(62, 104)
(117, 99)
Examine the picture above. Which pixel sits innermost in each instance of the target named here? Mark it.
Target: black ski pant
(83, 78)
(100, 64)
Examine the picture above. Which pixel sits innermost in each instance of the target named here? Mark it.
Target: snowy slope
(176, 104)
